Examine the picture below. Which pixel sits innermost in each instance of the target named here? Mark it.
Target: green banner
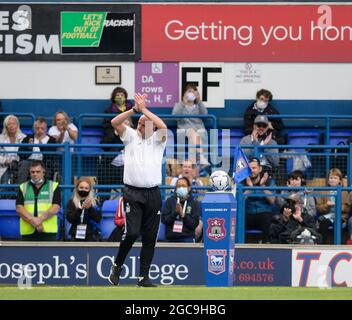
(82, 29)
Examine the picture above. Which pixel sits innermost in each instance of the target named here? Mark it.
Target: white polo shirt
(143, 159)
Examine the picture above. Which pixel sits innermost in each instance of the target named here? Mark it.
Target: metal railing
(241, 228)
(84, 116)
(326, 118)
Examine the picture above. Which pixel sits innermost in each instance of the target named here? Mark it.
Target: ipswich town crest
(216, 261)
(216, 229)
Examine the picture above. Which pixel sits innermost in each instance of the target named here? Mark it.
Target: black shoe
(114, 276)
(145, 282)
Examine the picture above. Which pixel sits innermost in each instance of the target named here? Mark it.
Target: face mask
(190, 96)
(83, 193)
(182, 192)
(120, 101)
(261, 105)
(36, 182)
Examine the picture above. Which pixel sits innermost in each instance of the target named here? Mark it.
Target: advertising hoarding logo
(216, 229)
(216, 261)
(97, 33)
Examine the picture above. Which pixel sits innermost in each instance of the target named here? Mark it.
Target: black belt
(138, 188)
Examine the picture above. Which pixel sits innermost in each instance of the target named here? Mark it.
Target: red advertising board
(242, 33)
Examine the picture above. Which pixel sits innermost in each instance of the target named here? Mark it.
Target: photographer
(293, 220)
(297, 179)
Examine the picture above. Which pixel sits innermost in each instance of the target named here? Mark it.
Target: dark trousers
(36, 236)
(323, 228)
(260, 221)
(142, 208)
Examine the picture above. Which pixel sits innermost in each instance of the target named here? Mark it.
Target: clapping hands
(141, 102)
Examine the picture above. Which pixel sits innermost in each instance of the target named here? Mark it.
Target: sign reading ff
(209, 78)
(97, 33)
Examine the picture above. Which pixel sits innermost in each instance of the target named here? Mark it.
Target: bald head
(145, 127)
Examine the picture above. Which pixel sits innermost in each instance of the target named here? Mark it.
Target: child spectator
(326, 204)
(262, 106)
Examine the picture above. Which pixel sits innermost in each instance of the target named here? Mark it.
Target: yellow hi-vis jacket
(44, 202)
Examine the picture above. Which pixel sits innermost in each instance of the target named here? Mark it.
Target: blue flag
(241, 168)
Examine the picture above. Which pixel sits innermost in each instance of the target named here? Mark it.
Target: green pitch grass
(174, 293)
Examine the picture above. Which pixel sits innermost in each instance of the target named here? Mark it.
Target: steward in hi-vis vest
(38, 202)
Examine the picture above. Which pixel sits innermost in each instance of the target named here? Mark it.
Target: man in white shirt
(144, 149)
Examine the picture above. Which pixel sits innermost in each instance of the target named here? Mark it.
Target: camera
(290, 204)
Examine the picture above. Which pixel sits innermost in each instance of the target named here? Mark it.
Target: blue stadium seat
(91, 136)
(93, 132)
(60, 223)
(235, 137)
(67, 230)
(340, 136)
(9, 219)
(27, 131)
(107, 223)
(303, 137)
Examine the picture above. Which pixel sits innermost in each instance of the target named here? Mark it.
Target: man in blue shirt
(259, 209)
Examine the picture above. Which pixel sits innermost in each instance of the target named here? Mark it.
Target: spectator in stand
(262, 106)
(38, 202)
(189, 171)
(191, 104)
(119, 104)
(82, 212)
(262, 136)
(297, 179)
(181, 213)
(11, 134)
(326, 206)
(39, 137)
(63, 130)
(258, 210)
(292, 222)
